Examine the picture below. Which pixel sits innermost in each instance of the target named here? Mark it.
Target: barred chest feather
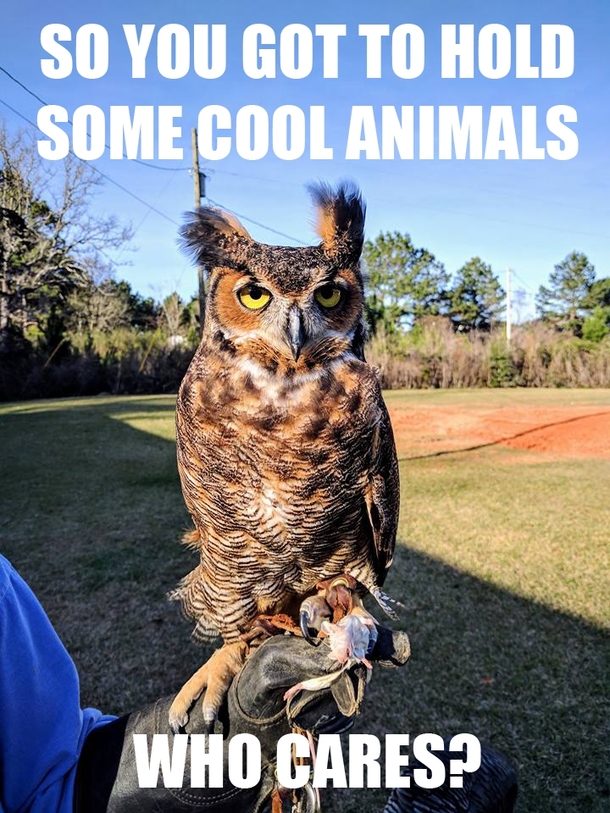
(274, 468)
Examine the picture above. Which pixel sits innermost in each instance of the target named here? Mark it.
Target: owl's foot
(336, 598)
(314, 611)
(266, 626)
(214, 677)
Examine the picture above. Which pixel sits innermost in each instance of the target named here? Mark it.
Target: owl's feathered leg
(215, 677)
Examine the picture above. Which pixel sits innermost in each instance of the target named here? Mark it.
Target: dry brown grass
(434, 356)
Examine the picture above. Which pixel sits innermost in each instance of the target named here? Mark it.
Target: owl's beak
(295, 332)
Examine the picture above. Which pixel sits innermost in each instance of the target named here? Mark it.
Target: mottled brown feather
(288, 466)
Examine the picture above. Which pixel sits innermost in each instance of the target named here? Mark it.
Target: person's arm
(57, 758)
(42, 725)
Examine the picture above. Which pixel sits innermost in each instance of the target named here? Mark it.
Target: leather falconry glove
(492, 788)
(107, 778)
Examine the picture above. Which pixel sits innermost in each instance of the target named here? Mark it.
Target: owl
(285, 450)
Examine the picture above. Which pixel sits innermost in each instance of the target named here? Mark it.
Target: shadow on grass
(527, 679)
(91, 513)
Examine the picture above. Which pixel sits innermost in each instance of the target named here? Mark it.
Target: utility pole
(199, 181)
(509, 299)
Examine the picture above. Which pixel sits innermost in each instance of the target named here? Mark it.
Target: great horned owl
(285, 449)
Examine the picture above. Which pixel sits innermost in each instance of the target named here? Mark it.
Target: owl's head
(285, 307)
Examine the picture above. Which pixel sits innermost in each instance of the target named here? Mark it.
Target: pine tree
(564, 302)
(405, 283)
(477, 298)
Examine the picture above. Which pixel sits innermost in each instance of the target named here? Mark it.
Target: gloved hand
(492, 788)
(107, 779)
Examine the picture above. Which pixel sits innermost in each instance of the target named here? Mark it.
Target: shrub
(433, 355)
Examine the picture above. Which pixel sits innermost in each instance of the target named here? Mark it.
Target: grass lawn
(502, 565)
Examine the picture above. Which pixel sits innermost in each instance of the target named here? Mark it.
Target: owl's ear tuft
(339, 219)
(215, 238)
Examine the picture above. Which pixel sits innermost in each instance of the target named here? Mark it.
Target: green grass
(493, 398)
(502, 565)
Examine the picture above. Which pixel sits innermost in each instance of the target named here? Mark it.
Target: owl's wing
(382, 493)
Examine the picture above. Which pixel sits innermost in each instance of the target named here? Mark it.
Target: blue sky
(523, 214)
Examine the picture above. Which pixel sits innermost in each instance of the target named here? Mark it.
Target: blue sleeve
(42, 727)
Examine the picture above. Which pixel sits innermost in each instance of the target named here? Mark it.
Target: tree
(599, 294)
(49, 241)
(405, 283)
(477, 298)
(565, 301)
(144, 312)
(97, 308)
(192, 321)
(173, 309)
(30, 263)
(597, 302)
(597, 326)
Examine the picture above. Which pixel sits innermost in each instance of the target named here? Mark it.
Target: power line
(248, 177)
(148, 205)
(143, 202)
(244, 175)
(99, 171)
(256, 223)
(501, 192)
(42, 101)
(280, 181)
(498, 192)
(143, 220)
(523, 282)
(462, 213)
(459, 212)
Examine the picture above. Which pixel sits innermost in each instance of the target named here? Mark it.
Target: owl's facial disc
(288, 321)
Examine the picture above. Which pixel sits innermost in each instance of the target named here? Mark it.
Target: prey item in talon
(351, 639)
(315, 684)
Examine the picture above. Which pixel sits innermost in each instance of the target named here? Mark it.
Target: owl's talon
(313, 612)
(338, 593)
(209, 720)
(304, 625)
(177, 722)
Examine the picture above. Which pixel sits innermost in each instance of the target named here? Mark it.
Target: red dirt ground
(557, 431)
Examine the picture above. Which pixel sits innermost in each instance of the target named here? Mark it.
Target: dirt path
(563, 431)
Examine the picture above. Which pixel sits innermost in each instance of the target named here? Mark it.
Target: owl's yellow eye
(328, 296)
(254, 297)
